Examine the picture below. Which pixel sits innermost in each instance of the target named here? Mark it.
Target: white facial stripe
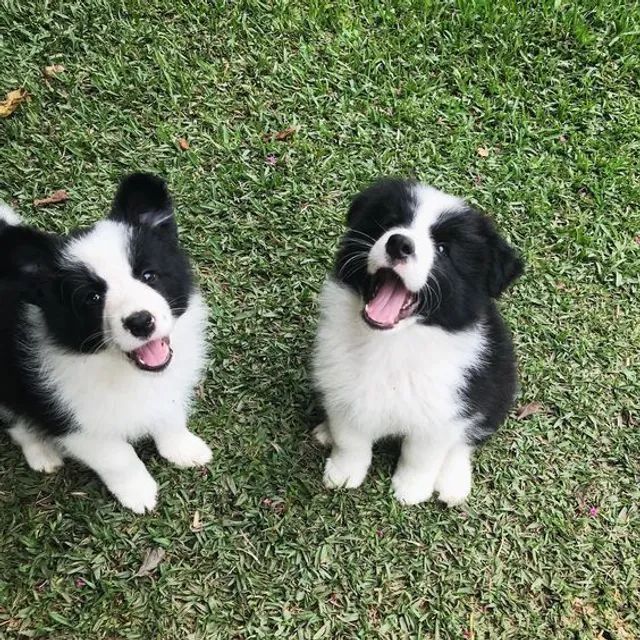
(105, 252)
(430, 205)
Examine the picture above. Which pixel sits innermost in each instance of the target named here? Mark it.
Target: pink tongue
(154, 353)
(385, 307)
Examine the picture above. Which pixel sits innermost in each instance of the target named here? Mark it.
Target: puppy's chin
(388, 303)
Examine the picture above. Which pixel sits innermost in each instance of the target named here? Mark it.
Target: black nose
(141, 324)
(400, 247)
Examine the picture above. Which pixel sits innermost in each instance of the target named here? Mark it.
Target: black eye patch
(79, 286)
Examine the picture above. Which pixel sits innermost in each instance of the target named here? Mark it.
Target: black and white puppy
(410, 342)
(102, 341)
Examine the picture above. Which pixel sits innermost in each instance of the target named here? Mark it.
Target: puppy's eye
(93, 298)
(442, 249)
(149, 276)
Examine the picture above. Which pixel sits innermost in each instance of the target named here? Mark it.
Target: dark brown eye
(149, 276)
(93, 298)
(441, 248)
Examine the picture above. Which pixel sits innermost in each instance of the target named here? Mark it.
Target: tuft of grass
(550, 90)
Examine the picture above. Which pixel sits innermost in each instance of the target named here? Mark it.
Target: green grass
(551, 90)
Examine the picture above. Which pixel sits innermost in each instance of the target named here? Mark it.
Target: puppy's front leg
(119, 467)
(177, 444)
(350, 456)
(420, 462)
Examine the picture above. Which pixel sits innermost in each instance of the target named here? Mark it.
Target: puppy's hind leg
(322, 434)
(40, 454)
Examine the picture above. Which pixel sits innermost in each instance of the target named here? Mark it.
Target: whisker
(365, 235)
(357, 256)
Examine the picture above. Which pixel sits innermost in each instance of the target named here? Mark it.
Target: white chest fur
(398, 382)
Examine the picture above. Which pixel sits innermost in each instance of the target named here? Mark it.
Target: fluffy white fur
(401, 382)
(8, 215)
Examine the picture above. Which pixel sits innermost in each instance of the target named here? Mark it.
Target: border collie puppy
(102, 341)
(410, 342)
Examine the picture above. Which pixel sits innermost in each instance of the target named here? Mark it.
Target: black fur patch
(156, 252)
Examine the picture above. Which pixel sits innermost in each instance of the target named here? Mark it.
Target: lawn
(531, 110)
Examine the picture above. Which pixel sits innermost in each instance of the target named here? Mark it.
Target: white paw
(344, 473)
(411, 488)
(322, 434)
(185, 449)
(453, 485)
(41, 456)
(139, 493)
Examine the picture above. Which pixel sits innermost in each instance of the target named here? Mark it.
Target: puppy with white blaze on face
(102, 340)
(410, 342)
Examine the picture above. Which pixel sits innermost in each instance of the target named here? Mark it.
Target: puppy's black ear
(26, 255)
(142, 199)
(505, 265)
(357, 207)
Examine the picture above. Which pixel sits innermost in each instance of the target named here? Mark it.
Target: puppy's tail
(8, 217)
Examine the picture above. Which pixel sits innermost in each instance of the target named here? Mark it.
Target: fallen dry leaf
(282, 135)
(12, 101)
(55, 198)
(53, 70)
(153, 558)
(637, 239)
(285, 134)
(276, 506)
(183, 143)
(529, 409)
(196, 523)
(483, 152)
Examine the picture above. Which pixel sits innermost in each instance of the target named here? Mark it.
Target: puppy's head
(120, 285)
(414, 253)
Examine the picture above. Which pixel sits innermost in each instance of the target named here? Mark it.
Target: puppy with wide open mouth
(389, 300)
(154, 355)
(410, 341)
(102, 341)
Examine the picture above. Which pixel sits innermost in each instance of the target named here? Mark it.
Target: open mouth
(390, 301)
(155, 355)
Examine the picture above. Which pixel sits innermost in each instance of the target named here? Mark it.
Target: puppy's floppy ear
(142, 199)
(505, 265)
(26, 255)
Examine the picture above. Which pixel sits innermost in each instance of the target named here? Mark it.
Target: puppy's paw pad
(322, 434)
(411, 489)
(139, 495)
(344, 475)
(186, 450)
(42, 457)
